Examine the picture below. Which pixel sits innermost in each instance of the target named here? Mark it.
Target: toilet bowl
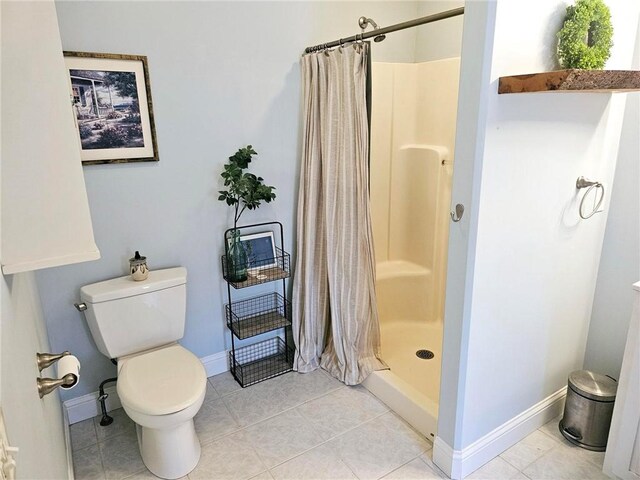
(161, 390)
(161, 384)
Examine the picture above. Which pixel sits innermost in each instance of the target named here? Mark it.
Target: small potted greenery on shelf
(245, 191)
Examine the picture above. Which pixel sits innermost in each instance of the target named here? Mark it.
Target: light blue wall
(519, 325)
(223, 75)
(442, 39)
(620, 261)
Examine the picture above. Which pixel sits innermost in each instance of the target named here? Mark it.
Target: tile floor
(313, 427)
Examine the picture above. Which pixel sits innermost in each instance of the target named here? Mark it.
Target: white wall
(620, 261)
(34, 425)
(531, 284)
(223, 75)
(475, 70)
(39, 155)
(36, 133)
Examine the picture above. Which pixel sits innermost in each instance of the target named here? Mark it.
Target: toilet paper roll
(69, 364)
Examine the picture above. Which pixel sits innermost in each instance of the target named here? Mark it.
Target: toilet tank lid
(123, 287)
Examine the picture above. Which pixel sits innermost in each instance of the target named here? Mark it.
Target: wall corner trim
(457, 464)
(87, 406)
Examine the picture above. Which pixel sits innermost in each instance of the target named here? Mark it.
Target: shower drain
(425, 354)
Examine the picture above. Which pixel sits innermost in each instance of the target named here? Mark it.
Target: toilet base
(169, 453)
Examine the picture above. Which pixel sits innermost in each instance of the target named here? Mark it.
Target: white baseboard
(457, 464)
(445, 457)
(216, 363)
(67, 442)
(87, 406)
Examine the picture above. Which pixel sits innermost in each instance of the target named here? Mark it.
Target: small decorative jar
(138, 267)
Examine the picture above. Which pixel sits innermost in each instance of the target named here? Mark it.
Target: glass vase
(236, 259)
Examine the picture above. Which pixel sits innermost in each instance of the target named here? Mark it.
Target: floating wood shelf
(588, 81)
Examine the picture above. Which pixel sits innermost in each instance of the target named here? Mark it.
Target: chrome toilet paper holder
(45, 360)
(48, 385)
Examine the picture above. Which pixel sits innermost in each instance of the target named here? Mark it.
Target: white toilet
(161, 384)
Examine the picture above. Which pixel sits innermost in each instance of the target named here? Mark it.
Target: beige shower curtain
(335, 321)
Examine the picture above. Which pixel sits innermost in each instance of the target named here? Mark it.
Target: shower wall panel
(412, 151)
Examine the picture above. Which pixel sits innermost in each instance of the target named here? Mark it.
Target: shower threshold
(416, 408)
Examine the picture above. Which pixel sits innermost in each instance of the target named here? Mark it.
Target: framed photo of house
(111, 98)
(260, 249)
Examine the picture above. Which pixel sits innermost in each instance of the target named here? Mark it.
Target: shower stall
(413, 118)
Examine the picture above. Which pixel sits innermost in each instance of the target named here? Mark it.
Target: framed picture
(111, 99)
(260, 249)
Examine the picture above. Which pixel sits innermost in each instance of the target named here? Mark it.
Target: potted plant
(245, 191)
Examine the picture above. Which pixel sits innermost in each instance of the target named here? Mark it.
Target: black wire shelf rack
(260, 361)
(262, 271)
(256, 315)
(254, 254)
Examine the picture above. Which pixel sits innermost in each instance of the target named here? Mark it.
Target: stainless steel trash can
(588, 409)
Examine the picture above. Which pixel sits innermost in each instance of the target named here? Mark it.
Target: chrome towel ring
(583, 182)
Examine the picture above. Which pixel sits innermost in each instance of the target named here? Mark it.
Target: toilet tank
(126, 316)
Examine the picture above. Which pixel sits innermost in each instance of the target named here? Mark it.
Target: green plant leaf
(585, 39)
(246, 190)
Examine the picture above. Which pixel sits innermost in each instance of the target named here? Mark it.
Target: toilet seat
(162, 381)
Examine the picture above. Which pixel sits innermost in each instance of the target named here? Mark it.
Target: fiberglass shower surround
(412, 150)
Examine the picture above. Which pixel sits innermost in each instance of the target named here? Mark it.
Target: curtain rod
(393, 28)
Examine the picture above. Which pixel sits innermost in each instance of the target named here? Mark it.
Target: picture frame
(260, 249)
(113, 109)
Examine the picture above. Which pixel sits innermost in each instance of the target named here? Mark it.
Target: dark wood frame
(152, 125)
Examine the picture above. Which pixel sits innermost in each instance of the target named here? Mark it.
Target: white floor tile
(563, 463)
(281, 423)
(342, 410)
(427, 457)
(255, 403)
(280, 438)
(224, 383)
(83, 434)
(147, 475)
(379, 446)
(121, 456)
(496, 469)
(415, 470)
(227, 459)
(263, 476)
(214, 421)
(298, 388)
(87, 463)
(527, 451)
(321, 463)
(551, 429)
(211, 392)
(121, 424)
